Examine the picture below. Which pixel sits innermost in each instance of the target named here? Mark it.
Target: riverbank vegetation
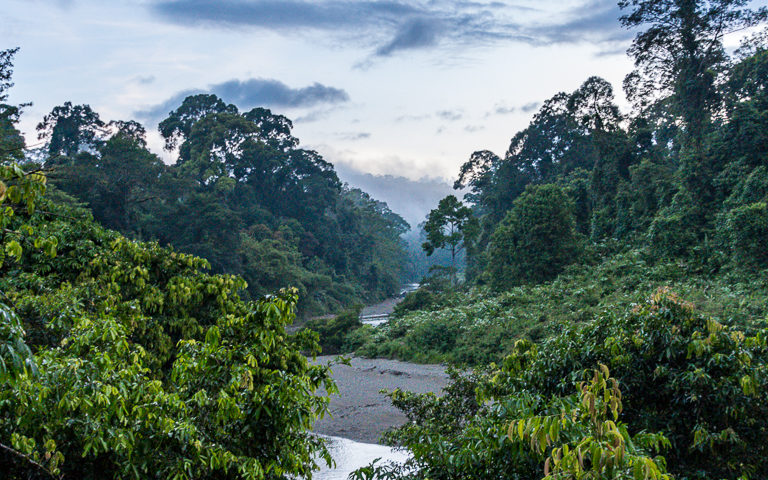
(477, 326)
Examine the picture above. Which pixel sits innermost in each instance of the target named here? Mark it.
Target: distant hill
(411, 199)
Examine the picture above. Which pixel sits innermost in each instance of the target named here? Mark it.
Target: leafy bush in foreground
(701, 384)
(140, 364)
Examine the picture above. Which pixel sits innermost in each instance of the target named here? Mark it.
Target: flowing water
(350, 456)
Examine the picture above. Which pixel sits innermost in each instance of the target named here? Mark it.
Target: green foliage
(451, 226)
(335, 331)
(747, 228)
(15, 356)
(137, 351)
(586, 441)
(68, 129)
(679, 55)
(221, 410)
(241, 194)
(699, 382)
(479, 326)
(421, 299)
(664, 176)
(671, 234)
(536, 239)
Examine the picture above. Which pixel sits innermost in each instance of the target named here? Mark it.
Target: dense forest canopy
(241, 194)
(683, 171)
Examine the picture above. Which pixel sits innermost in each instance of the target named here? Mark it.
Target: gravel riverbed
(360, 412)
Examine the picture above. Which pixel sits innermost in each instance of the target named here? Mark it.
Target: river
(350, 455)
(359, 415)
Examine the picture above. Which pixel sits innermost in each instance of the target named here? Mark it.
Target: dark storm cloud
(416, 33)
(254, 92)
(599, 23)
(390, 26)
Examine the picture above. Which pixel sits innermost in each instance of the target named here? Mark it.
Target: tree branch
(29, 460)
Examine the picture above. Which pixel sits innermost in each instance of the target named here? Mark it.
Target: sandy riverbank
(360, 412)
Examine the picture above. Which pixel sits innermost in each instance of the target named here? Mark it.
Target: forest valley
(610, 321)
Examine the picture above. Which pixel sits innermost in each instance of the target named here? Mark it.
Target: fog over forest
(411, 199)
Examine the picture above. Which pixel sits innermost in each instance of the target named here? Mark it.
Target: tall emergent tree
(452, 226)
(68, 129)
(679, 56)
(682, 51)
(11, 141)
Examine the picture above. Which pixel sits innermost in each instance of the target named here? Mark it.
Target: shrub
(747, 230)
(536, 239)
(421, 299)
(334, 331)
(143, 364)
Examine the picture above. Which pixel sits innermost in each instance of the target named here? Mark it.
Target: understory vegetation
(477, 326)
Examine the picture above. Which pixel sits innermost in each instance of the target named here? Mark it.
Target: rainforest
(597, 293)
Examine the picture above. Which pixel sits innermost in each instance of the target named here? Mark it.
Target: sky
(386, 87)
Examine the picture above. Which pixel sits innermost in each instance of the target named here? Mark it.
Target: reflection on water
(351, 455)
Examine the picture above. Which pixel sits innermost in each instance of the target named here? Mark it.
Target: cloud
(416, 33)
(612, 51)
(260, 91)
(144, 80)
(402, 118)
(600, 24)
(502, 109)
(412, 199)
(473, 128)
(450, 115)
(254, 92)
(281, 14)
(390, 27)
(353, 136)
(312, 116)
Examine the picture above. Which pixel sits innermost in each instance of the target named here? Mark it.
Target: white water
(350, 456)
